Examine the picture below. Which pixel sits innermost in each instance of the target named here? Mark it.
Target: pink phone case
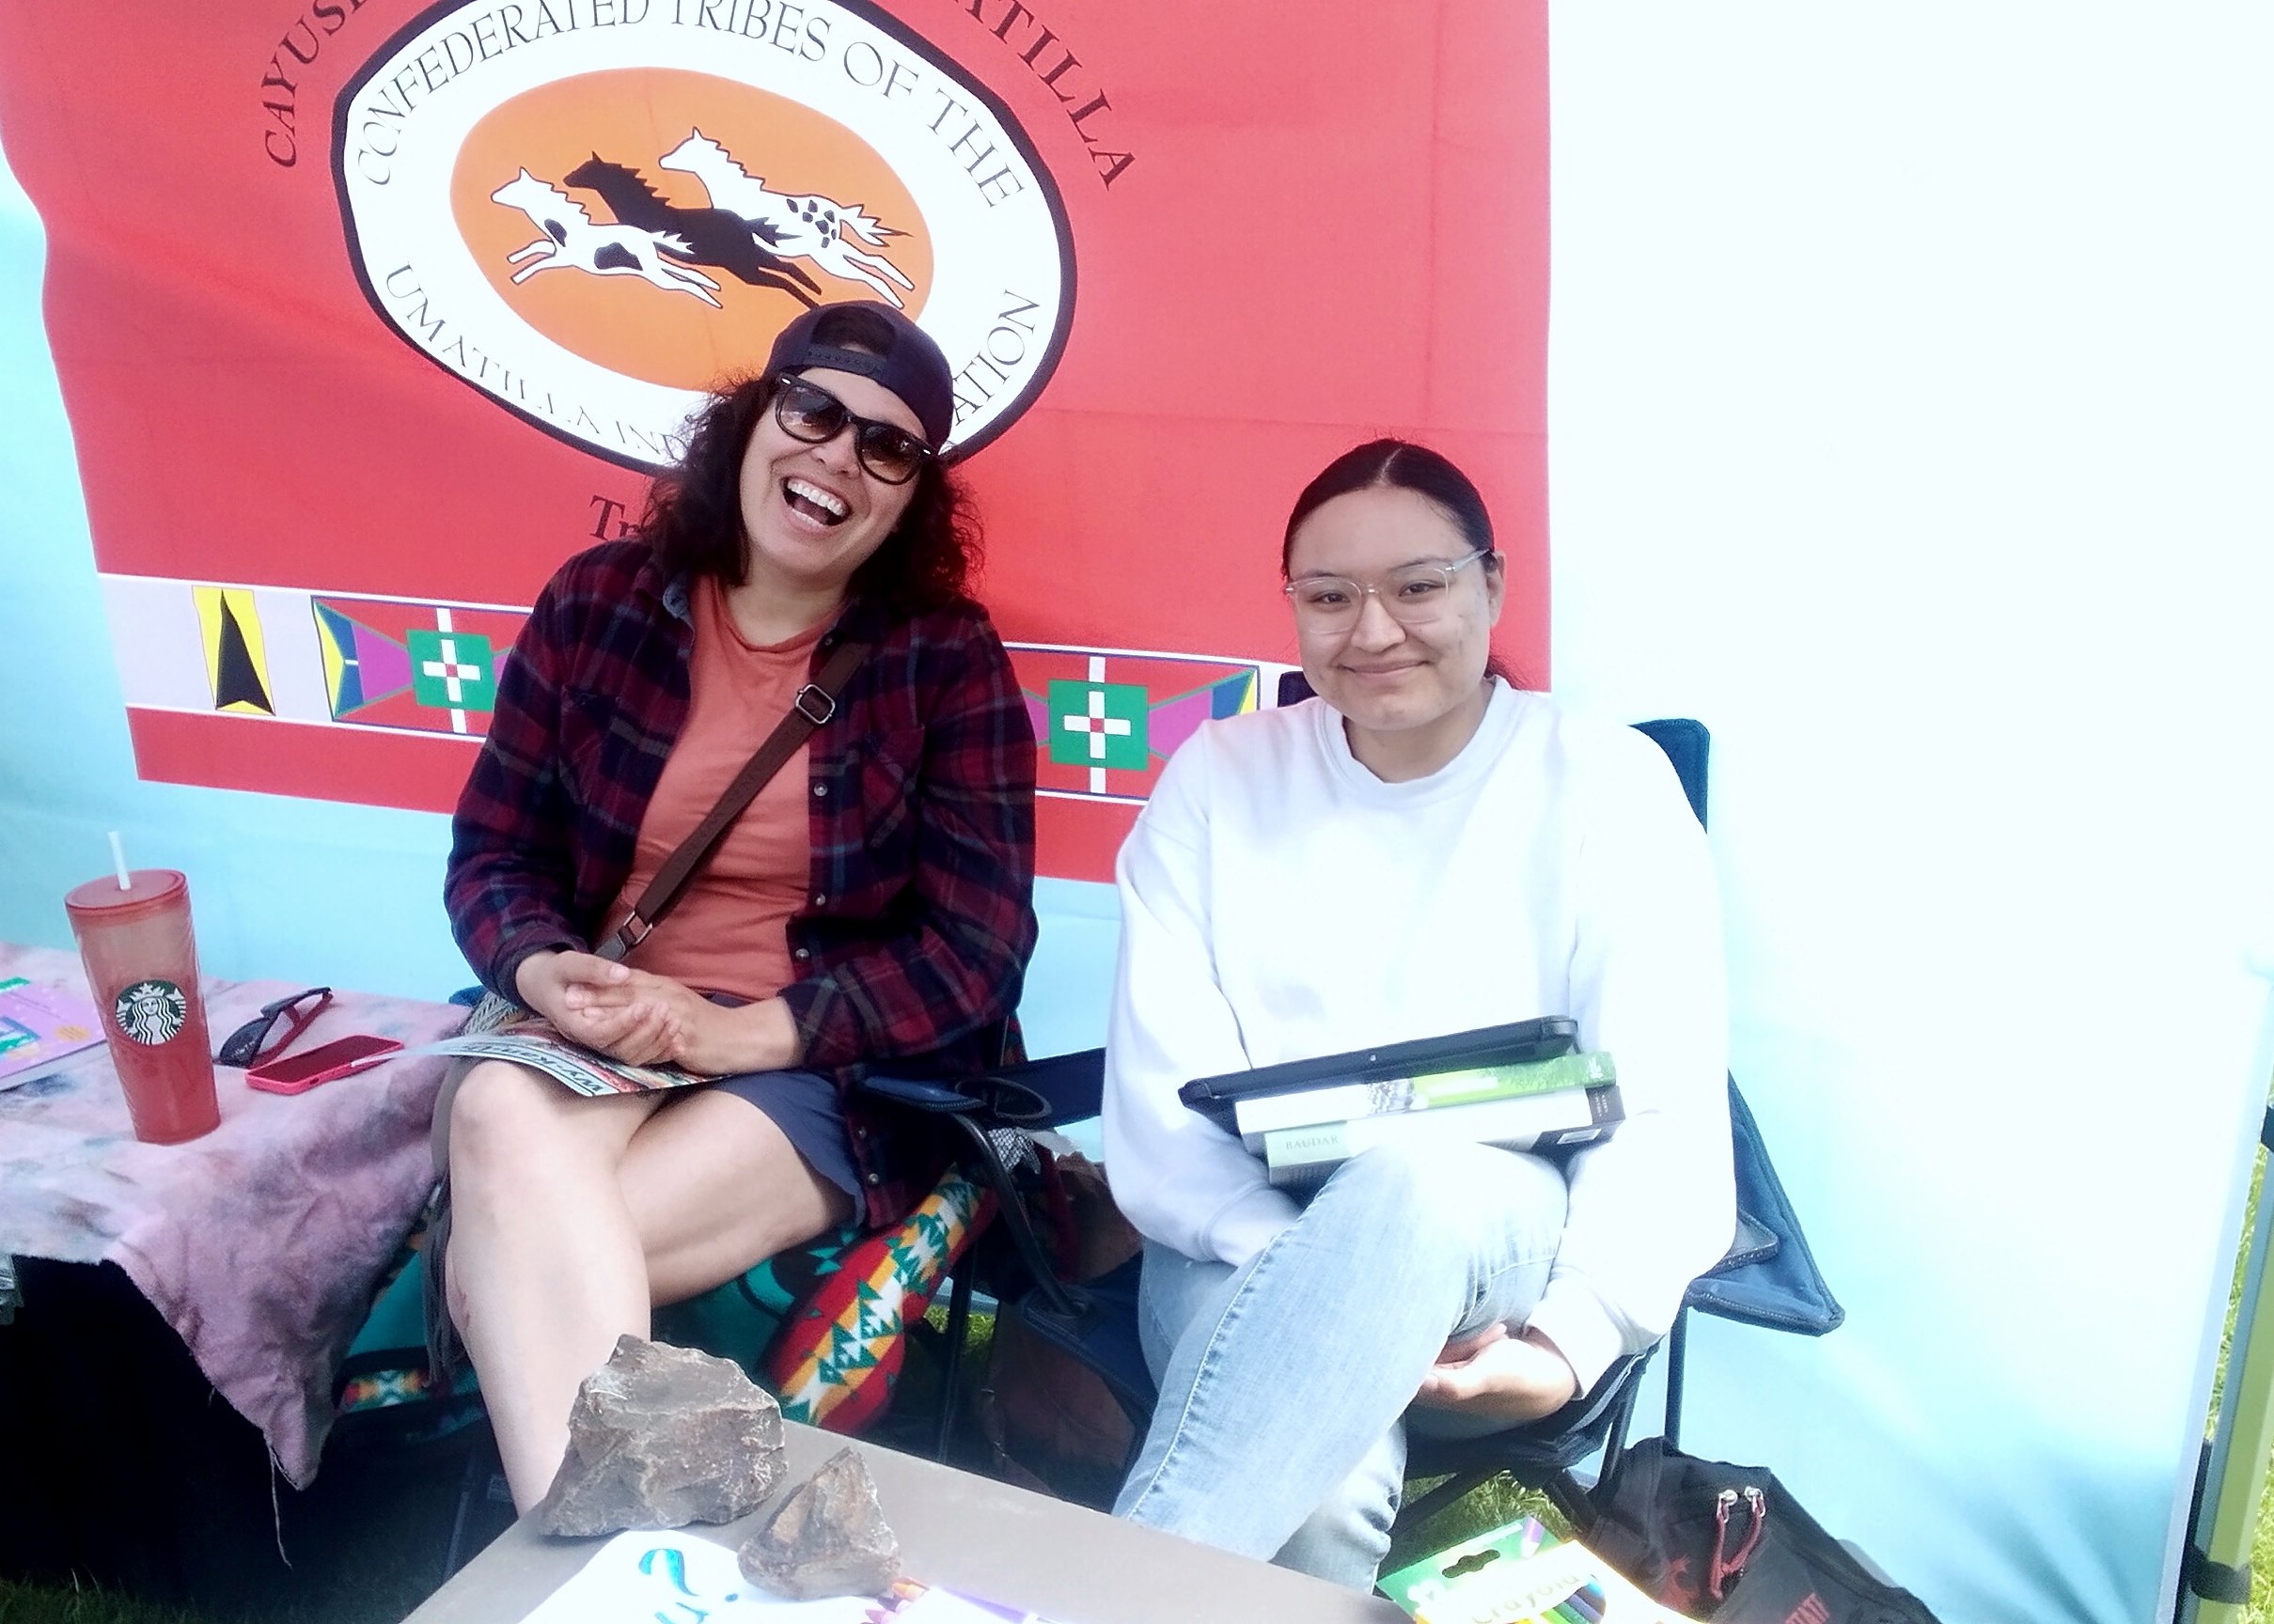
(298, 1073)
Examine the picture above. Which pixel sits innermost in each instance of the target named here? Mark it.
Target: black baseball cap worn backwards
(908, 363)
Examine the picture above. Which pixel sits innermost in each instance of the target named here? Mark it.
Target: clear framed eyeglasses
(1414, 594)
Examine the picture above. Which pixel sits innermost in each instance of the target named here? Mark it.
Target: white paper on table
(655, 1577)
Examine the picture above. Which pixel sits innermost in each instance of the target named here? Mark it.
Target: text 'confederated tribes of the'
(788, 26)
(971, 138)
(417, 317)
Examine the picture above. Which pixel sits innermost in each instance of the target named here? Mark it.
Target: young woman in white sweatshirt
(1421, 850)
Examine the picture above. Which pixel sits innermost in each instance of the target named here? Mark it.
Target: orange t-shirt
(728, 932)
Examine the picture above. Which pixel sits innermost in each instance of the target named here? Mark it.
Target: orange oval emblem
(696, 217)
(594, 225)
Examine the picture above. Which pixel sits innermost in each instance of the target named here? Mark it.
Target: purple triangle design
(386, 664)
(1170, 725)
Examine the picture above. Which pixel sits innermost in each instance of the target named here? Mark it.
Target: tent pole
(2215, 1573)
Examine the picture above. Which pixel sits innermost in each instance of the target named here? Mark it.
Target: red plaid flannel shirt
(921, 915)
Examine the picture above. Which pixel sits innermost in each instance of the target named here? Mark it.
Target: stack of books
(1525, 1087)
(1530, 1105)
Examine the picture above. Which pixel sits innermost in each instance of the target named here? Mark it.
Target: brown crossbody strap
(816, 702)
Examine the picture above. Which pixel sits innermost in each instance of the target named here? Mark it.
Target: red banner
(366, 315)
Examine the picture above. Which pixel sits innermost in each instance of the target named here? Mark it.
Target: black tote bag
(1732, 1545)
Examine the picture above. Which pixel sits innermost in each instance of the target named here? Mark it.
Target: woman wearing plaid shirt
(872, 904)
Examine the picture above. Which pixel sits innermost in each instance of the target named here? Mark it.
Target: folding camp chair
(1768, 1278)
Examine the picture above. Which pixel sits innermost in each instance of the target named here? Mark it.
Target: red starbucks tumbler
(142, 964)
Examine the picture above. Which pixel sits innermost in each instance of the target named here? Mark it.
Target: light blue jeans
(1278, 1431)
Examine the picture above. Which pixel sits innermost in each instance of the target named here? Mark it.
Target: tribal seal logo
(150, 1012)
(594, 210)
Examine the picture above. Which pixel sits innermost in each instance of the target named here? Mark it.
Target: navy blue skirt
(804, 1105)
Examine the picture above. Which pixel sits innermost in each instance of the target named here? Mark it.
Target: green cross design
(452, 670)
(1099, 725)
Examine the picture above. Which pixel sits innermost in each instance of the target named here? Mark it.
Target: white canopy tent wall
(1909, 425)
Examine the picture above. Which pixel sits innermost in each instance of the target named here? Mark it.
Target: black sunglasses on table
(809, 413)
(245, 1045)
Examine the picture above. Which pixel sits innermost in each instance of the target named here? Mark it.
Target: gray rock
(828, 1539)
(661, 1437)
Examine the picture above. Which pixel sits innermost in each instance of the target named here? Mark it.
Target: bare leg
(572, 1216)
(714, 1186)
(544, 1270)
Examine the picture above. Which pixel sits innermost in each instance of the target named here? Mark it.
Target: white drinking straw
(118, 862)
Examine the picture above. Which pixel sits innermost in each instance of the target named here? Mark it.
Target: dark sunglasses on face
(243, 1046)
(809, 413)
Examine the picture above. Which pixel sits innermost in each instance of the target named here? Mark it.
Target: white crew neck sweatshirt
(1279, 903)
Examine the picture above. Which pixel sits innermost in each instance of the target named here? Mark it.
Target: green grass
(1490, 1505)
(53, 1604)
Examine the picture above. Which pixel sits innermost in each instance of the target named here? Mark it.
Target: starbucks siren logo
(151, 1011)
(593, 214)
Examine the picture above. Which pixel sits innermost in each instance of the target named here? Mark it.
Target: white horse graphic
(570, 239)
(794, 226)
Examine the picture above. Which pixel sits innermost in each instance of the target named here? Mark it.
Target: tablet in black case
(1540, 1039)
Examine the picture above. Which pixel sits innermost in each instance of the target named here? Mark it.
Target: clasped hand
(1500, 1376)
(647, 1019)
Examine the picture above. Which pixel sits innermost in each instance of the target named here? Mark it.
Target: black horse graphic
(714, 237)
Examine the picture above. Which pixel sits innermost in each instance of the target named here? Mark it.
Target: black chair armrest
(999, 1097)
(919, 1094)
